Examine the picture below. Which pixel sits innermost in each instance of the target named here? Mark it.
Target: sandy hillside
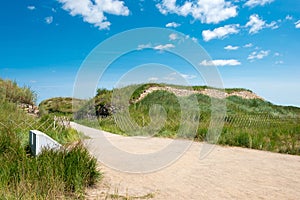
(226, 173)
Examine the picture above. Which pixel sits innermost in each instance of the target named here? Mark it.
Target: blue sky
(254, 43)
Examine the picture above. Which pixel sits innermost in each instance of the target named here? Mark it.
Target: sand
(225, 173)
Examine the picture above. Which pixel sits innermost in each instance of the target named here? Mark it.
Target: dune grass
(10, 91)
(60, 106)
(251, 123)
(53, 174)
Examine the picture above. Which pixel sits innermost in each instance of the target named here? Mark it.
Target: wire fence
(251, 121)
(57, 124)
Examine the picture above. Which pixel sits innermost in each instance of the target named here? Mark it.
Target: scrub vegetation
(252, 123)
(60, 174)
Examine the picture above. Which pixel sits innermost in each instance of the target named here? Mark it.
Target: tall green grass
(53, 174)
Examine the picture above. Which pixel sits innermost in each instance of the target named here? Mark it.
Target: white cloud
(206, 11)
(220, 32)
(256, 24)
(230, 62)
(172, 24)
(173, 36)
(144, 46)
(160, 47)
(153, 79)
(288, 17)
(170, 77)
(276, 54)
(92, 11)
(258, 55)
(141, 5)
(229, 47)
(174, 76)
(253, 3)
(49, 20)
(279, 62)
(31, 7)
(193, 38)
(272, 25)
(163, 47)
(248, 45)
(297, 24)
(188, 76)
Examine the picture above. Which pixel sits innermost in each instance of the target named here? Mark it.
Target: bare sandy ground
(226, 173)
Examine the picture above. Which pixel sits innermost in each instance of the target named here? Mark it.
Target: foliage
(87, 111)
(53, 174)
(232, 90)
(10, 91)
(103, 96)
(57, 131)
(141, 88)
(60, 105)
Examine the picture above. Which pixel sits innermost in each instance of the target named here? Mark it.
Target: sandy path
(226, 173)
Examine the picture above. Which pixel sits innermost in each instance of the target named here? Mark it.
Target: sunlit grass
(53, 174)
(250, 123)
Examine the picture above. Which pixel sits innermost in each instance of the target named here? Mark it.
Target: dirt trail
(226, 173)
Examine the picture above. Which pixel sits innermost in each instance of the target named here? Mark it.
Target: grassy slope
(252, 123)
(52, 175)
(60, 105)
